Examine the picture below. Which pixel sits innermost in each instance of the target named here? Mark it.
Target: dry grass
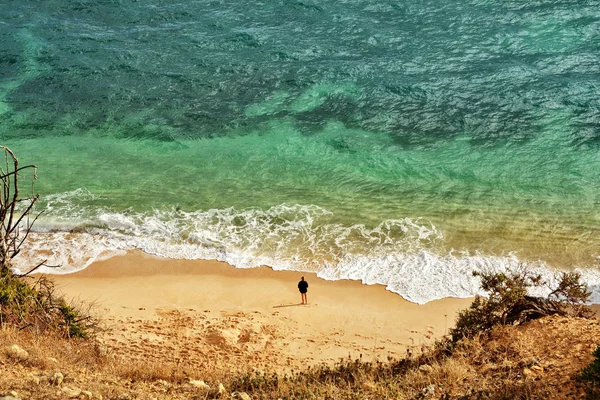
(511, 363)
(535, 361)
(137, 371)
(48, 349)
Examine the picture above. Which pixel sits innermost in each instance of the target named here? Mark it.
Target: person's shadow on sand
(290, 305)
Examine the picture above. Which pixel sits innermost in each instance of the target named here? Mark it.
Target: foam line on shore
(419, 277)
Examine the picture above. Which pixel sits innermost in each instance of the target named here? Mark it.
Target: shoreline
(424, 276)
(253, 313)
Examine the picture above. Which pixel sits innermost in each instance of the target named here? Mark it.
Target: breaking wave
(405, 255)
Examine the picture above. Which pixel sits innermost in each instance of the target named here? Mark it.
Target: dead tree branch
(15, 212)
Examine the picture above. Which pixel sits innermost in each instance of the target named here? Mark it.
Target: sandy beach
(210, 314)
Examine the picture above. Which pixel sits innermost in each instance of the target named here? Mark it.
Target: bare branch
(20, 169)
(42, 264)
(11, 219)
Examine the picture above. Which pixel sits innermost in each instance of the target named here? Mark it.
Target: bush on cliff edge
(22, 304)
(509, 301)
(590, 376)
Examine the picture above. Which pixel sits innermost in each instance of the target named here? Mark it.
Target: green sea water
(397, 143)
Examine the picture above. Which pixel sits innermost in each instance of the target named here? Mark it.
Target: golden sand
(252, 313)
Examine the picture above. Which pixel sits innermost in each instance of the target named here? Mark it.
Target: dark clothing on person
(303, 286)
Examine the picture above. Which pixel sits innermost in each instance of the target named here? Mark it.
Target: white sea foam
(404, 255)
(64, 252)
(424, 276)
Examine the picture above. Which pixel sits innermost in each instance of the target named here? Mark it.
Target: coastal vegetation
(509, 301)
(29, 305)
(590, 376)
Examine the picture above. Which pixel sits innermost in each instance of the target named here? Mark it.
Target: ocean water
(401, 143)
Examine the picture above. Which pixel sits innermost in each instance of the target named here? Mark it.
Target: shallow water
(402, 144)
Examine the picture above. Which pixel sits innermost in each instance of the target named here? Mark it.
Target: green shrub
(72, 321)
(509, 301)
(24, 306)
(16, 299)
(590, 376)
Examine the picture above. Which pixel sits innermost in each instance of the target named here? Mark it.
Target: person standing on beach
(303, 288)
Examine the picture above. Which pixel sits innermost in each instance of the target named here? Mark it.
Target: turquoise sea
(405, 143)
